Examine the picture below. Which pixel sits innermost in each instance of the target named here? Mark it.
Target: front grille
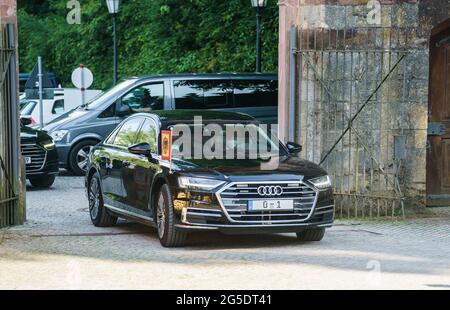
(235, 199)
(37, 155)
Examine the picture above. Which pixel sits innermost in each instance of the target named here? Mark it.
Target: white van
(64, 101)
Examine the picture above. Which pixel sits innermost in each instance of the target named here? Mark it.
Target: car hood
(32, 136)
(68, 119)
(288, 168)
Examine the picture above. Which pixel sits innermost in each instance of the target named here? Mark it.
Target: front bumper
(63, 154)
(200, 211)
(42, 162)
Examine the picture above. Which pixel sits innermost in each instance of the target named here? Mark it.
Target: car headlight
(58, 135)
(322, 183)
(198, 183)
(48, 145)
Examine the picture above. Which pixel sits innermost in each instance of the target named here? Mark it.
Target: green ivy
(158, 36)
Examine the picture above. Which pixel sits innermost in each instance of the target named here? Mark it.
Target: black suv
(130, 176)
(40, 154)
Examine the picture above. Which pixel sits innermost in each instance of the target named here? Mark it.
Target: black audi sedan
(41, 156)
(266, 188)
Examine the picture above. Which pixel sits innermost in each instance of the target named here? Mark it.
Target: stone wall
(402, 101)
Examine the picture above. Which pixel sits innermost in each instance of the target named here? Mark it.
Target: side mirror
(294, 148)
(123, 110)
(25, 121)
(141, 149)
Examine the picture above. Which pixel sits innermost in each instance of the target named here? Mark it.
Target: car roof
(207, 76)
(168, 117)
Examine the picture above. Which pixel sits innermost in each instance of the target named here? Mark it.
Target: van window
(255, 93)
(58, 107)
(203, 94)
(218, 94)
(145, 98)
(109, 112)
(188, 95)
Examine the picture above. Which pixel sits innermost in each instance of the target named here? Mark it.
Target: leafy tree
(158, 36)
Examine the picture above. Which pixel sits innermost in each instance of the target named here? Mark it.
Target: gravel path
(58, 248)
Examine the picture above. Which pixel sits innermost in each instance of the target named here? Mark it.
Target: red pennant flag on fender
(166, 145)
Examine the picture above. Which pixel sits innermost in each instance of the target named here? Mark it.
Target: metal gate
(10, 210)
(352, 84)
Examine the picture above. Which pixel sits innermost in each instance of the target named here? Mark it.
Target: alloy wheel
(82, 157)
(160, 216)
(94, 199)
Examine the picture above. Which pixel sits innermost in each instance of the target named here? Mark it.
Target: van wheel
(168, 235)
(99, 215)
(78, 157)
(311, 234)
(43, 181)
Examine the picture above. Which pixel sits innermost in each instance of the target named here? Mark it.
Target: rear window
(223, 94)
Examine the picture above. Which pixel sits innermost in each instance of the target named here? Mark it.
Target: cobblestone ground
(58, 248)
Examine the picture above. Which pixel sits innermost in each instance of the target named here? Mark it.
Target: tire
(311, 234)
(168, 235)
(97, 211)
(78, 156)
(45, 181)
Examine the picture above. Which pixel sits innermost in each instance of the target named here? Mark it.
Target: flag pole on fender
(166, 146)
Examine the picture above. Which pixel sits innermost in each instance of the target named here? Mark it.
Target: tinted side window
(255, 93)
(109, 112)
(218, 94)
(203, 94)
(145, 98)
(188, 95)
(148, 135)
(128, 132)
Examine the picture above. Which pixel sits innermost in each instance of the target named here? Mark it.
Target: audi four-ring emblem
(270, 190)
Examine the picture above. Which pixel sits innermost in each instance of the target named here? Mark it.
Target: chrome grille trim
(232, 195)
(38, 156)
(203, 214)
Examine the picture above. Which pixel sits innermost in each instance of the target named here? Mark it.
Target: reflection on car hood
(64, 120)
(32, 136)
(238, 170)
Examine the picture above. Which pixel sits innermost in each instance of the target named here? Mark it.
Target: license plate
(28, 160)
(270, 205)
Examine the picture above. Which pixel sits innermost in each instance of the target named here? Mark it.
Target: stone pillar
(288, 18)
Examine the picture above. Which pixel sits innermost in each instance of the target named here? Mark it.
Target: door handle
(126, 163)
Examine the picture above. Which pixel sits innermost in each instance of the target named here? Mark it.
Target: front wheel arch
(156, 186)
(75, 145)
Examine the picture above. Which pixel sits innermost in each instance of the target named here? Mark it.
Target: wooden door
(438, 151)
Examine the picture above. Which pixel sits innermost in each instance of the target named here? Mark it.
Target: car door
(113, 156)
(138, 175)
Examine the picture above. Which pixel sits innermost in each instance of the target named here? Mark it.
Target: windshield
(225, 141)
(105, 96)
